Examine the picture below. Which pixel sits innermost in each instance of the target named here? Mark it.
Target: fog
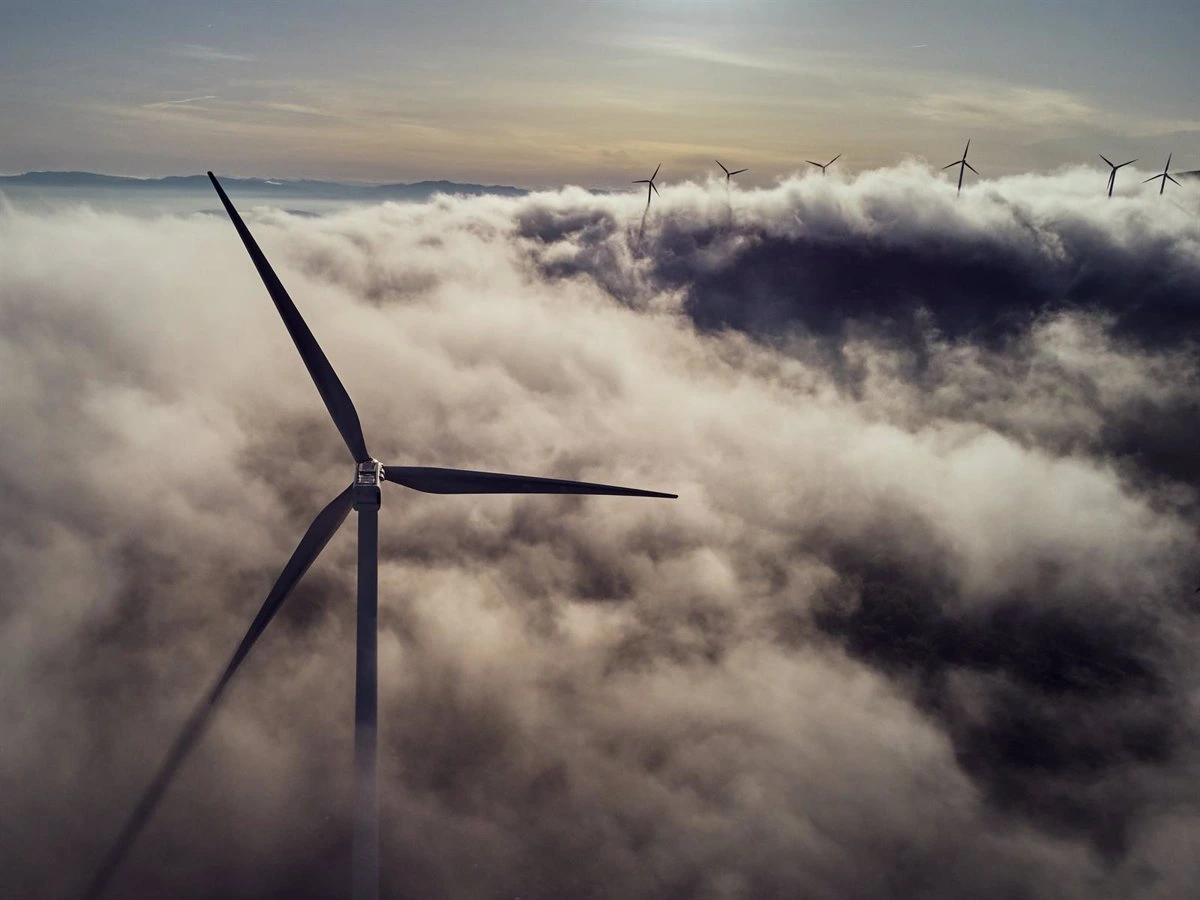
(921, 623)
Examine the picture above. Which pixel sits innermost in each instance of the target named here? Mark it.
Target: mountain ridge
(420, 190)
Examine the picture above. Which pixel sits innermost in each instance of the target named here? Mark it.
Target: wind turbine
(826, 165)
(963, 165)
(728, 174)
(650, 185)
(363, 496)
(1165, 176)
(1112, 176)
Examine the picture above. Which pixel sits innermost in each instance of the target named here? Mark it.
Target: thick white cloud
(918, 624)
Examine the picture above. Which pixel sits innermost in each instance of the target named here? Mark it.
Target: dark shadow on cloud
(1057, 701)
(1158, 437)
(985, 272)
(982, 270)
(1055, 704)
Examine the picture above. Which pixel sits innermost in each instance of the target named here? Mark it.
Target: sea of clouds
(922, 623)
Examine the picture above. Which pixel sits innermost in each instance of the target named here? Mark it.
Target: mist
(921, 623)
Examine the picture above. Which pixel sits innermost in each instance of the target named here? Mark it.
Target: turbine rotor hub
(368, 476)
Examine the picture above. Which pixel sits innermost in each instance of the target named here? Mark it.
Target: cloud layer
(921, 623)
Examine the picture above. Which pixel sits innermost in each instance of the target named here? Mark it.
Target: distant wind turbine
(963, 165)
(728, 174)
(1112, 176)
(363, 496)
(1165, 176)
(650, 185)
(826, 165)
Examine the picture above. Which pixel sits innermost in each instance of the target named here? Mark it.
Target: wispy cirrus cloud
(701, 51)
(984, 104)
(206, 53)
(180, 102)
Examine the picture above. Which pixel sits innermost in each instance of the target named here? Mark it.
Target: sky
(539, 94)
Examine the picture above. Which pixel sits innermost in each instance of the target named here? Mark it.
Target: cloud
(919, 625)
(983, 106)
(1035, 109)
(207, 54)
(701, 51)
(184, 100)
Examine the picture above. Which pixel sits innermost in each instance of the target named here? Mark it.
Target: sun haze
(538, 93)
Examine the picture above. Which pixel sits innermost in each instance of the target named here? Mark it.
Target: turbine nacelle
(368, 476)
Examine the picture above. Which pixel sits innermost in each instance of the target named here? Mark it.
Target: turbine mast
(365, 840)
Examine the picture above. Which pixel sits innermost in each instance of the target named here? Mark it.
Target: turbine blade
(971, 167)
(811, 163)
(641, 181)
(1151, 178)
(835, 159)
(656, 168)
(738, 171)
(1168, 165)
(337, 401)
(1129, 163)
(463, 481)
(957, 162)
(1106, 159)
(1172, 179)
(965, 149)
(322, 529)
(655, 187)
(723, 169)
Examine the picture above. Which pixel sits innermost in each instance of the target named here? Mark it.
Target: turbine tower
(1112, 176)
(824, 166)
(963, 165)
(728, 174)
(1164, 175)
(363, 496)
(650, 185)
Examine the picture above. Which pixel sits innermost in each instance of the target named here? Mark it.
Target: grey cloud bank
(178, 194)
(920, 624)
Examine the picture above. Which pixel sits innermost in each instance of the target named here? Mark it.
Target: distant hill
(284, 189)
(1193, 174)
